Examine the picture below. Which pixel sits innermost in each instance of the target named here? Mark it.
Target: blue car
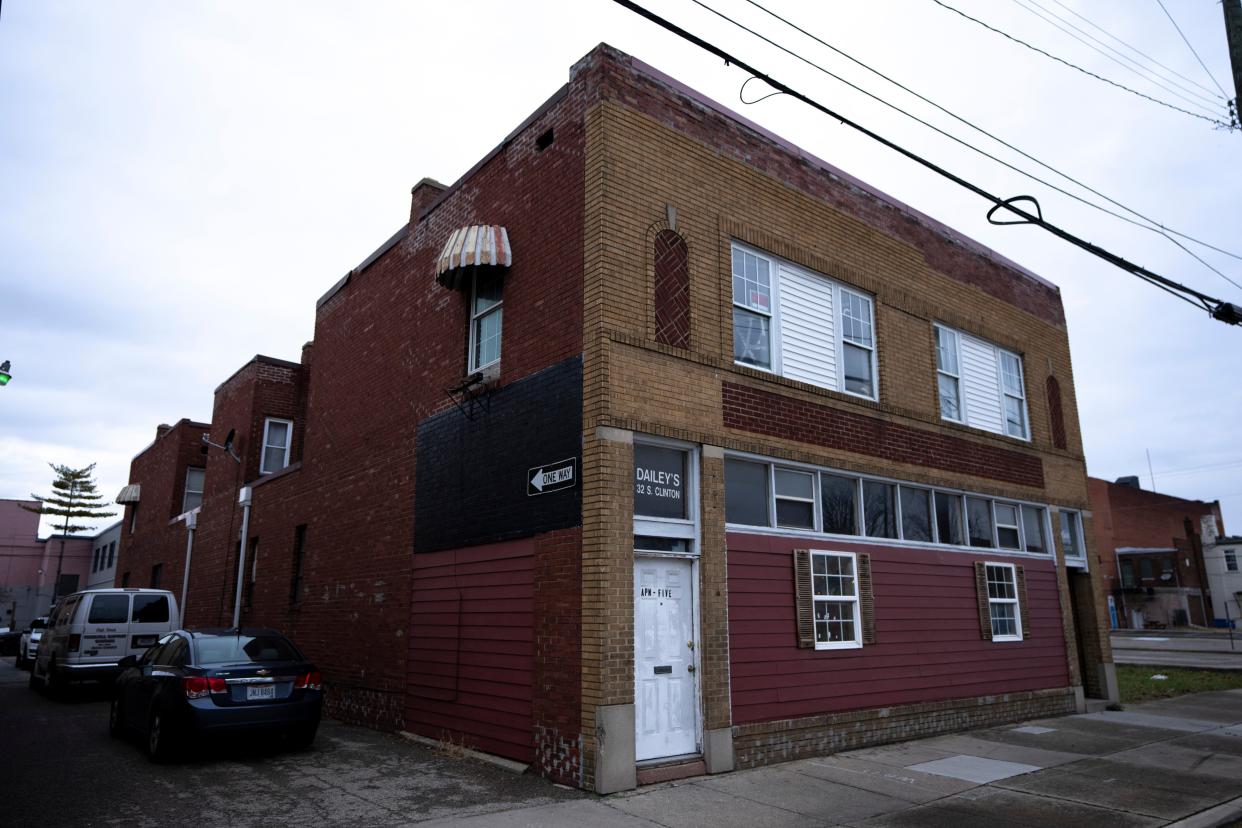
(222, 681)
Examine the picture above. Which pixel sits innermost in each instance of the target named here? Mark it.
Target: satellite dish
(228, 440)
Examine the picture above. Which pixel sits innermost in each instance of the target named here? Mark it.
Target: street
(1152, 764)
(1207, 651)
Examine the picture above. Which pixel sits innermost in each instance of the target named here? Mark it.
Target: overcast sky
(180, 181)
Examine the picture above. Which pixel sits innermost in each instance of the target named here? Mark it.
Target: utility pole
(1233, 33)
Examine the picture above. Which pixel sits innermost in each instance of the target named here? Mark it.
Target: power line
(1140, 70)
(1222, 311)
(1191, 48)
(1158, 228)
(1214, 121)
(1134, 49)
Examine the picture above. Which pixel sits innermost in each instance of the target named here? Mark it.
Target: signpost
(552, 477)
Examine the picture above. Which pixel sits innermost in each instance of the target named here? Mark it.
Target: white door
(665, 690)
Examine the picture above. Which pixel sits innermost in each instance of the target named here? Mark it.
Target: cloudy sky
(180, 181)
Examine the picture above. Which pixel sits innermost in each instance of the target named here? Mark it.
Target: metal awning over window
(130, 493)
(480, 245)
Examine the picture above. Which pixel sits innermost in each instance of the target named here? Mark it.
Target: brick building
(655, 446)
(28, 563)
(1150, 547)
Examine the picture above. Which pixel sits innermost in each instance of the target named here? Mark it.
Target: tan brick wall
(635, 167)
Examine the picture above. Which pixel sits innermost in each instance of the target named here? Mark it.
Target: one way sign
(552, 477)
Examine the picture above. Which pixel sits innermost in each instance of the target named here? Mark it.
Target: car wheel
(303, 736)
(116, 722)
(53, 682)
(159, 739)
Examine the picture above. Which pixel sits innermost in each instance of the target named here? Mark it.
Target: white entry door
(665, 690)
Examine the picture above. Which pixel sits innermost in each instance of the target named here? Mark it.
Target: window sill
(1001, 639)
(849, 645)
(976, 430)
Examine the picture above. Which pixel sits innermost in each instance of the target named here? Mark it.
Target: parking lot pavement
(1175, 761)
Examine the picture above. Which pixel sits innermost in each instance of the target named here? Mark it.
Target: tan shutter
(981, 592)
(1022, 602)
(866, 599)
(804, 600)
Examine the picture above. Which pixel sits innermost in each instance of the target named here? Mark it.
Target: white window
(795, 499)
(1071, 536)
(835, 593)
(980, 384)
(1008, 535)
(948, 377)
(1231, 560)
(193, 489)
(277, 436)
(802, 325)
(1003, 602)
(486, 315)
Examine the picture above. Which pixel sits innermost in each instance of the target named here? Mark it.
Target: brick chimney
(423, 196)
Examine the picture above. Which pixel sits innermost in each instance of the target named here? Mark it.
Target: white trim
(1001, 391)
(1016, 601)
(267, 424)
(185, 491)
(856, 600)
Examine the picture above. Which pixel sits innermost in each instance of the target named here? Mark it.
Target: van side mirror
(127, 662)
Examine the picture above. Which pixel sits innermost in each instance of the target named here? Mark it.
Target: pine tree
(73, 498)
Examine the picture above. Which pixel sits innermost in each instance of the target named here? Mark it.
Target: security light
(5, 376)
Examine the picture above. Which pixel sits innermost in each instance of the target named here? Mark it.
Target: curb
(1226, 813)
(487, 758)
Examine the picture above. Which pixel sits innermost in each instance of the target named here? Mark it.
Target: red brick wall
(762, 412)
(157, 538)
(928, 644)
(558, 665)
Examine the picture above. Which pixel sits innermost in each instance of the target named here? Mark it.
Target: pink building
(28, 564)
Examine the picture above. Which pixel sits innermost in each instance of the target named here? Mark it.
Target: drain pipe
(243, 497)
(191, 522)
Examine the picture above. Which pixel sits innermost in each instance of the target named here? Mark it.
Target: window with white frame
(802, 325)
(835, 594)
(277, 437)
(486, 316)
(193, 489)
(1071, 535)
(1003, 602)
(980, 384)
(1231, 560)
(778, 496)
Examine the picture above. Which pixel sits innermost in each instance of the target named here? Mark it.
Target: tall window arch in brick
(672, 289)
(1055, 412)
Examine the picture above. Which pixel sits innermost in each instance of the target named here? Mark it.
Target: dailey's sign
(659, 482)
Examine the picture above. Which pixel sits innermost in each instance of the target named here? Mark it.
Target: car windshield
(240, 649)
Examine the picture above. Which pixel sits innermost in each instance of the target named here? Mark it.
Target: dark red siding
(928, 646)
(471, 656)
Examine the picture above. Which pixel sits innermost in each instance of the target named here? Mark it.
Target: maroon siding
(928, 646)
(471, 649)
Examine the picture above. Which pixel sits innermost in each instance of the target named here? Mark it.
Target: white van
(89, 632)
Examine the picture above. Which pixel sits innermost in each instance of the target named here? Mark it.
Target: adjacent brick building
(656, 446)
(1152, 555)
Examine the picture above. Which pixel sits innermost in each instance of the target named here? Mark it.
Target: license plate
(258, 692)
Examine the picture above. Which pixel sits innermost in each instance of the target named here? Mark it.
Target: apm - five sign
(552, 477)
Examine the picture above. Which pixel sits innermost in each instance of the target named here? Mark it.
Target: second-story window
(486, 315)
(980, 384)
(802, 325)
(193, 489)
(277, 435)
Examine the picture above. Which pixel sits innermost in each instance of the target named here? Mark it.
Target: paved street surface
(1153, 764)
(1210, 651)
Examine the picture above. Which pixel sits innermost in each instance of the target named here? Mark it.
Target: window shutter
(803, 599)
(1022, 602)
(866, 599)
(808, 328)
(981, 592)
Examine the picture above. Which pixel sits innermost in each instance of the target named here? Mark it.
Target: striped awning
(130, 493)
(480, 245)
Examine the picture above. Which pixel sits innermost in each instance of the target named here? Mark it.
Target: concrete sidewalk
(1177, 761)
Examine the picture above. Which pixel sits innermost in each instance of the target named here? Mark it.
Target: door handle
(690, 668)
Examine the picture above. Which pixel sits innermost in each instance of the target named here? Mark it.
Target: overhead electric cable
(1153, 226)
(1043, 14)
(1214, 121)
(1223, 311)
(1134, 49)
(1191, 48)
